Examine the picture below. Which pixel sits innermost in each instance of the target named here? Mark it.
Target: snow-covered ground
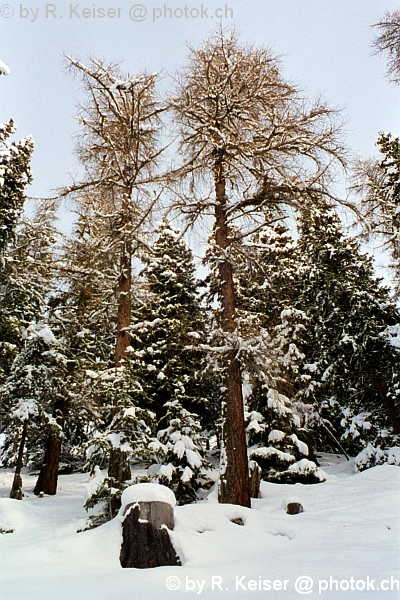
(349, 532)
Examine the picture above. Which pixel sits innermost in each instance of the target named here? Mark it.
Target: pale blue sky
(325, 43)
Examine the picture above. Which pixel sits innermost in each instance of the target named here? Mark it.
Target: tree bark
(234, 487)
(388, 403)
(16, 489)
(48, 476)
(124, 281)
(119, 471)
(118, 468)
(124, 304)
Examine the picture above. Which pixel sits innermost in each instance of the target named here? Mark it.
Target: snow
(276, 436)
(166, 471)
(290, 500)
(187, 474)
(4, 70)
(392, 333)
(193, 458)
(40, 330)
(271, 451)
(146, 492)
(25, 409)
(302, 447)
(307, 466)
(350, 527)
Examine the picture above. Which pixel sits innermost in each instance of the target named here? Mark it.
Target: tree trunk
(118, 468)
(119, 471)
(16, 490)
(48, 476)
(124, 288)
(235, 487)
(387, 403)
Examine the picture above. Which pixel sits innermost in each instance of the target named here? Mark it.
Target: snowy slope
(350, 528)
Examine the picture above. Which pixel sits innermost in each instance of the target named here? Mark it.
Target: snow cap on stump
(147, 492)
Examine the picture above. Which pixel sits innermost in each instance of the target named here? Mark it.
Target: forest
(214, 315)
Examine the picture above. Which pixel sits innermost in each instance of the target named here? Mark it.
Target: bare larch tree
(244, 127)
(118, 146)
(389, 42)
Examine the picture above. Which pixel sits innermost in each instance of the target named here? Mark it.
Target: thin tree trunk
(48, 476)
(387, 403)
(118, 468)
(124, 281)
(16, 490)
(235, 488)
(124, 304)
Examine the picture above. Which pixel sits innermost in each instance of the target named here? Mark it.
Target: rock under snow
(293, 506)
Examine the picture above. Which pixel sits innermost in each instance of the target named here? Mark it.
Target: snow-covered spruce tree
(247, 132)
(127, 429)
(266, 282)
(52, 283)
(275, 445)
(30, 395)
(168, 323)
(29, 284)
(266, 275)
(15, 174)
(344, 361)
(119, 149)
(179, 452)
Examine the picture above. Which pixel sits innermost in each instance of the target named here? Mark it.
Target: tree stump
(146, 542)
(16, 490)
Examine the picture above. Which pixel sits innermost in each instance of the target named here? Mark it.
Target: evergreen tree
(343, 362)
(167, 327)
(30, 396)
(30, 290)
(275, 445)
(127, 430)
(179, 452)
(15, 174)
(83, 313)
(267, 285)
(266, 281)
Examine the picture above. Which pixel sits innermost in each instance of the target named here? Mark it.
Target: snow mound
(14, 515)
(147, 492)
